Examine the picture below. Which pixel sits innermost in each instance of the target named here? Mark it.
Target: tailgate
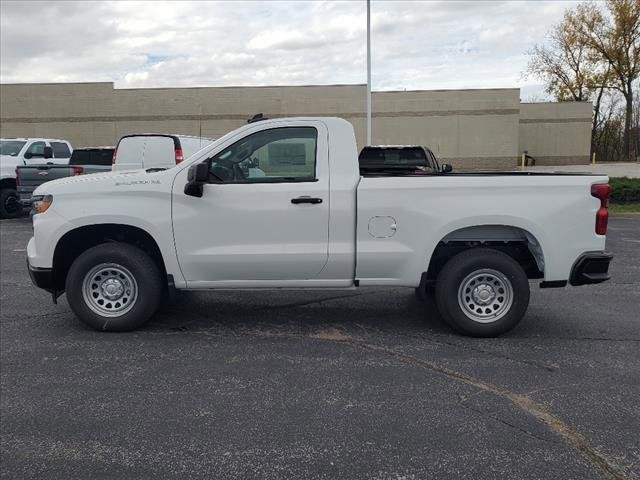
(31, 176)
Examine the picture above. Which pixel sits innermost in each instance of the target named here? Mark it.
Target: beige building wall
(556, 133)
(469, 128)
(95, 113)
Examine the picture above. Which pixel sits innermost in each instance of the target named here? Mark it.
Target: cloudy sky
(416, 45)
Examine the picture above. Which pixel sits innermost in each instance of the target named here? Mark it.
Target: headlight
(41, 203)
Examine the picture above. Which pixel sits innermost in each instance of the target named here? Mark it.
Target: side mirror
(27, 155)
(48, 152)
(197, 176)
(446, 168)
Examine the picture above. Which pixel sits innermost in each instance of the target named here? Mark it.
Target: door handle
(306, 199)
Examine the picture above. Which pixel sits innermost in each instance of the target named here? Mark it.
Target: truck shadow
(298, 312)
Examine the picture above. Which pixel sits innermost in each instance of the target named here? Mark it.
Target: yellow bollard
(593, 158)
(524, 156)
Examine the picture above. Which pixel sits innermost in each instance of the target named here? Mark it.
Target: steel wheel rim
(110, 290)
(485, 295)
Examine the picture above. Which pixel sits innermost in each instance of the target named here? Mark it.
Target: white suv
(25, 151)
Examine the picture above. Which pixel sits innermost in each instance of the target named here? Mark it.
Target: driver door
(263, 217)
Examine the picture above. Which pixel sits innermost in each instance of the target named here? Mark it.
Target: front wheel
(114, 287)
(482, 292)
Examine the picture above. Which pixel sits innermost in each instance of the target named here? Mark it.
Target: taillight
(17, 178)
(602, 191)
(78, 170)
(179, 156)
(113, 159)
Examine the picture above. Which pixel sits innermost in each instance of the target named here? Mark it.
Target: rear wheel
(482, 292)
(10, 206)
(114, 287)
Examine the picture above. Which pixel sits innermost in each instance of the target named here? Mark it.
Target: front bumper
(42, 277)
(591, 267)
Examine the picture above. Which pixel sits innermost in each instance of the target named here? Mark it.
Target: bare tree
(568, 69)
(563, 64)
(613, 38)
(608, 131)
(635, 125)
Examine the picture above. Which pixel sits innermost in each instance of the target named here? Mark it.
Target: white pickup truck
(282, 204)
(25, 151)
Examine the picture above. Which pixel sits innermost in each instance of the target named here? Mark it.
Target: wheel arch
(517, 242)
(78, 240)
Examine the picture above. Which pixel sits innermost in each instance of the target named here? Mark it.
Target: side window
(81, 157)
(286, 154)
(36, 149)
(60, 150)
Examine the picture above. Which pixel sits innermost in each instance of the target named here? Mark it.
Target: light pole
(368, 72)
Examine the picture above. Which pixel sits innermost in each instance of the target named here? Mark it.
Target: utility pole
(368, 72)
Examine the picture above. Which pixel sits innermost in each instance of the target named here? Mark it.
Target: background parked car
(155, 150)
(398, 159)
(25, 151)
(82, 161)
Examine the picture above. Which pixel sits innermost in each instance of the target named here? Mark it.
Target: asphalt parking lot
(341, 384)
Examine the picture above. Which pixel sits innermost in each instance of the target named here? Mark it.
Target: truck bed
(415, 213)
(488, 173)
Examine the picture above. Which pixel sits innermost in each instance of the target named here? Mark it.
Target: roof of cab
(22, 139)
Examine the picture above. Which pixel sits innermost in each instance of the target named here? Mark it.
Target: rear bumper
(591, 267)
(41, 277)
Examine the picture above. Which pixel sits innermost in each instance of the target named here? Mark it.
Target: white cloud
(435, 44)
(283, 40)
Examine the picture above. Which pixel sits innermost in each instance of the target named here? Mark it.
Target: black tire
(10, 206)
(478, 265)
(144, 271)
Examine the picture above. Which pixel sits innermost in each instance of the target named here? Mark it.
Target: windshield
(11, 147)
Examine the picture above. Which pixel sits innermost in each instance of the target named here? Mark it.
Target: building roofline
(246, 86)
(201, 87)
(3, 84)
(557, 103)
(450, 90)
(184, 87)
